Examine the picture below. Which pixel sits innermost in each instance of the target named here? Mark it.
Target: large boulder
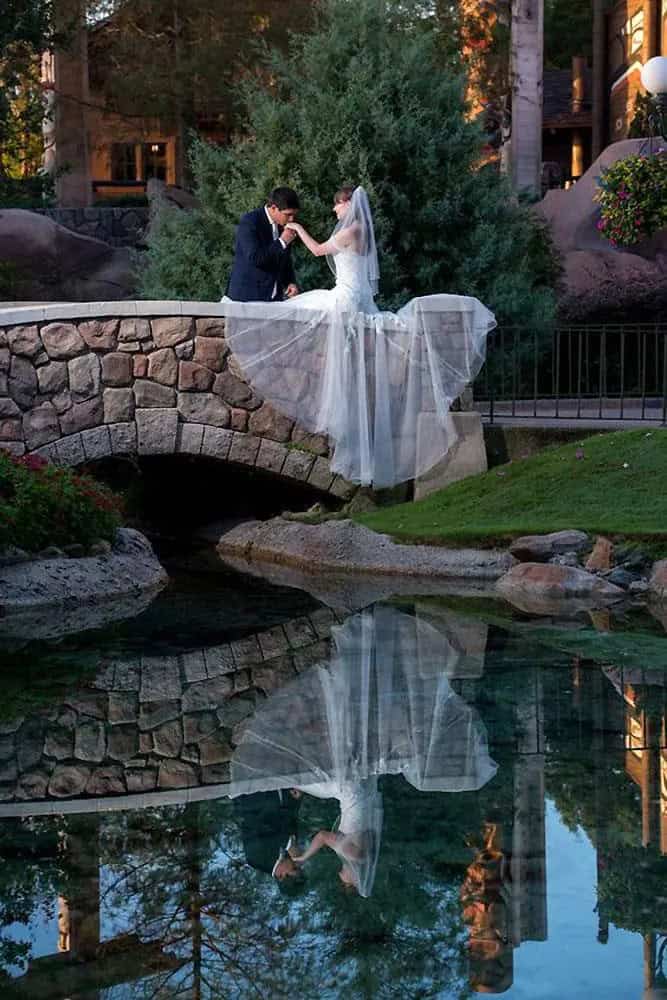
(598, 278)
(51, 263)
(540, 588)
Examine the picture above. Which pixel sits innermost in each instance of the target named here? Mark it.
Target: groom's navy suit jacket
(260, 262)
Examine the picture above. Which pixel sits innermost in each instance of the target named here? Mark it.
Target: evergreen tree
(368, 97)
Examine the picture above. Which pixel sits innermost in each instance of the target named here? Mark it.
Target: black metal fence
(604, 372)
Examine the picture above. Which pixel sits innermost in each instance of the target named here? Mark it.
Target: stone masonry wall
(120, 227)
(79, 390)
(154, 723)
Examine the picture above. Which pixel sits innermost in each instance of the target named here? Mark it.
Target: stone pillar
(73, 183)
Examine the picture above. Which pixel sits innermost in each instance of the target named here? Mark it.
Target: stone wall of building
(119, 227)
(83, 388)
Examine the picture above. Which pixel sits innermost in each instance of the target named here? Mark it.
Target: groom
(262, 269)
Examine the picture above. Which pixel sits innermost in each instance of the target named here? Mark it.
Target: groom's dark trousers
(262, 267)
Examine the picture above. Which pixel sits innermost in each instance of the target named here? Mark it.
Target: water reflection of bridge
(503, 897)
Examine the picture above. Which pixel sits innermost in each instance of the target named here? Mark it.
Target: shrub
(632, 194)
(42, 504)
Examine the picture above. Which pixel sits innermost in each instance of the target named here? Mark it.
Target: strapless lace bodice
(352, 288)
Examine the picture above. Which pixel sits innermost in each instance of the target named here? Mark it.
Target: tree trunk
(599, 139)
(526, 72)
(73, 181)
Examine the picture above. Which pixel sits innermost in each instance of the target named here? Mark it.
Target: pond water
(492, 790)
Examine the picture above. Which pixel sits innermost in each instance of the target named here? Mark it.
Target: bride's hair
(344, 193)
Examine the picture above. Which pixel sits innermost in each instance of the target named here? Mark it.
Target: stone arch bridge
(85, 381)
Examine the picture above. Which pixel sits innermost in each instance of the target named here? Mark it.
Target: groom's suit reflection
(268, 822)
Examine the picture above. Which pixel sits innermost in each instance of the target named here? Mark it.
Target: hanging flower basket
(632, 194)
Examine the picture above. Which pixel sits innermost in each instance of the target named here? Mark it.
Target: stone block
(62, 341)
(232, 389)
(268, 422)
(156, 431)
(194, 668)
(210, 352)
(216, 774)
(168, 739)
(100, 335)
(11, 430)
(246, 651)
(32, 786)
(90, 703)
(170, 330)
(82, 416)
(123, 706)
(109, 780)
(62, 401)
(160, 678)
(40, 426)
(272, 456)
(320, 475)
(219, 661)
(123, 438)
(185, 351)
(90, 743)
(196, 727)
(300, 632)
(52, 378)
(48, 452)
(141, 779)
(118, 405)
(25, 340)
(68, 780)
(466, 457)
(84, 377)
(140, 366)
(153, 714)
(273, 642)
(193, 377)
(148, 394)
(190, 437)
(214, 749)
(117, 369)
(217, 442)
(207, 694)
(203, 408)
(9, 409)
(96, 443)
(244, 449)
(239, 420)
(315, 443)
(128, 675)
(131, 347)
(134, 329)
(210, 326)
(22, 382)
(175, 774)
(70, 450)
(4, 359)
(342, 488)
(13, 447)
(163, 366)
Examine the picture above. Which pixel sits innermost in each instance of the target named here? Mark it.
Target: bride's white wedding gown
(379, 384)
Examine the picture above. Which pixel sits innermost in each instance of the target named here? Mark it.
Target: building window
(123, 165)
(155, 160)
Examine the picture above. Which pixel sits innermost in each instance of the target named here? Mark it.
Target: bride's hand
(296, 227)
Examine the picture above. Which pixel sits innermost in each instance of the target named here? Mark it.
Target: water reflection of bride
(382, 704)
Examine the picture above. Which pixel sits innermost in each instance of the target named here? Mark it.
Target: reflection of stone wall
(120, 227)
(154, 723)
(80, 389)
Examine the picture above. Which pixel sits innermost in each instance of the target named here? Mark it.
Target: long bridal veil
(379, 384)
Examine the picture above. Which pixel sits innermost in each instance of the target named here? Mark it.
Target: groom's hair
(283, 198)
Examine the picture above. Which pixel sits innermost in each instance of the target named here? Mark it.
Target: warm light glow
(155, 148)
(654, 75)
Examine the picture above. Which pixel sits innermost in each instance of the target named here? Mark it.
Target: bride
(379, 384)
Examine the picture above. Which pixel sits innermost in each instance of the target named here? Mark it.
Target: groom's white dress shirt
(274, 229)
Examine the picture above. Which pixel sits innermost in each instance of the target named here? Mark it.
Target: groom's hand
(287, 236)
(291, 291)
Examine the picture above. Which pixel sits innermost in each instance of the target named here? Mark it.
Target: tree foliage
(370, 98)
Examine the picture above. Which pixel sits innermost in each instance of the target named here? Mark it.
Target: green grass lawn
(619, 487)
